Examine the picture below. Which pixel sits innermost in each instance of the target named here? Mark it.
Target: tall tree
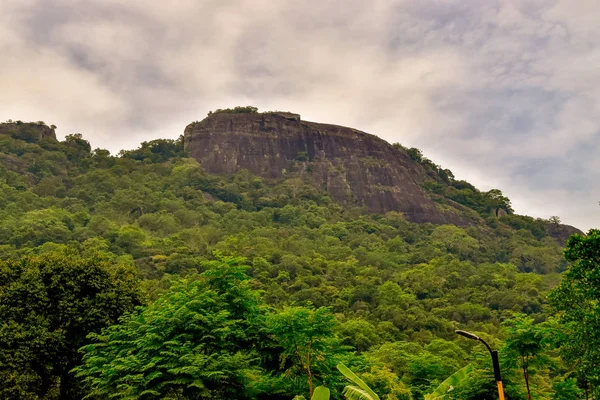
(308, 346)
(525, 344)
(577, 298)
(48, 305)
(497, 201)
(196, 341)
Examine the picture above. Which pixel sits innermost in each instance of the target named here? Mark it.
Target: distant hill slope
(28, 131)
(355, 168)
(315, 222)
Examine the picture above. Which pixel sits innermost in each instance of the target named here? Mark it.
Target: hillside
(400, 252)
(354, 168)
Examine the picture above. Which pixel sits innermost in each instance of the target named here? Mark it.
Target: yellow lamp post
(495, 362)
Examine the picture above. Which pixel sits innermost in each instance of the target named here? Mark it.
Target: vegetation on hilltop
(257, 289)
(31, 132)
(236, 110)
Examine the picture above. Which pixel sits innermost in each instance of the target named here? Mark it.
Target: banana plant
(449, 384)
(320, 393)
(360, 390)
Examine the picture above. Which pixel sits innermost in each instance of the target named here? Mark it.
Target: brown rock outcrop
(354, 167)
(562, 232)
(29, 131)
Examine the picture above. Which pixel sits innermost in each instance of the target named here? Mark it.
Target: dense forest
(141, 276)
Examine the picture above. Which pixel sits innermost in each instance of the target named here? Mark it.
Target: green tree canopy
(48, 305)
(197, 341)
(309, 346)
(577, 298)
(525, 345)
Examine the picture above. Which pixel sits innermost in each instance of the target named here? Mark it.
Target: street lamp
(494, 355)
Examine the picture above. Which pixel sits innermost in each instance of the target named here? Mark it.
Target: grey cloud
(505, 93)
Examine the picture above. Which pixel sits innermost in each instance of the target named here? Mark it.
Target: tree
(421, 369)
(359, 333)
(455, 240)
(308, 346)
(50, 186)
(497, 201)
(525, 344)
(40, 226)
(77, 142)
(554, 220)
(397, 287)
(576, 299)
(196, 341)
(156, 151)
(389, 385)
(446, 175)
(415, 154)
(48, 305)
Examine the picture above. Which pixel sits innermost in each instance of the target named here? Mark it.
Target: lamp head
(468, 335)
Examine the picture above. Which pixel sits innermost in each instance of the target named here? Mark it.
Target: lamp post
(494, 355)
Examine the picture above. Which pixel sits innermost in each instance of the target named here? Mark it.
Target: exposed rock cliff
(31, 132)
(354, 167)
(561, 232)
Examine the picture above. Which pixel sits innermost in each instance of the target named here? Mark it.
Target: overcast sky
(505, 93)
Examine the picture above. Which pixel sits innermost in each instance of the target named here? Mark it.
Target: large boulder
(354, 167)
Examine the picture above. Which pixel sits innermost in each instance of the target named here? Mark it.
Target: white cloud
(484, 88)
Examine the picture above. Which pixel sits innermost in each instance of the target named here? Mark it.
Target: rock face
(562, 232)
(31, 132)
(354, 167)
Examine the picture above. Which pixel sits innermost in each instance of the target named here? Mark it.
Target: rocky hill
(392, 290)
(31, 132)
(354, 167)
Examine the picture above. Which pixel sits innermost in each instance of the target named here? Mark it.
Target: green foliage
(206, 336)
(197, 340)
(537, 227)
(525, 344)
(156, 151)
(415, 154)
(360, 390)
(435, 171)
(80, 147)
(567, 389)
(576, 298)
(497, 201)
(478, 385)
(236, 110)
(48, 305)
(308, 345)
(30, 132)
(450, 383)
(320, 393)
(360, 333)
(302, 156)
(422, 368)
(386, 383)
(391, 290)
